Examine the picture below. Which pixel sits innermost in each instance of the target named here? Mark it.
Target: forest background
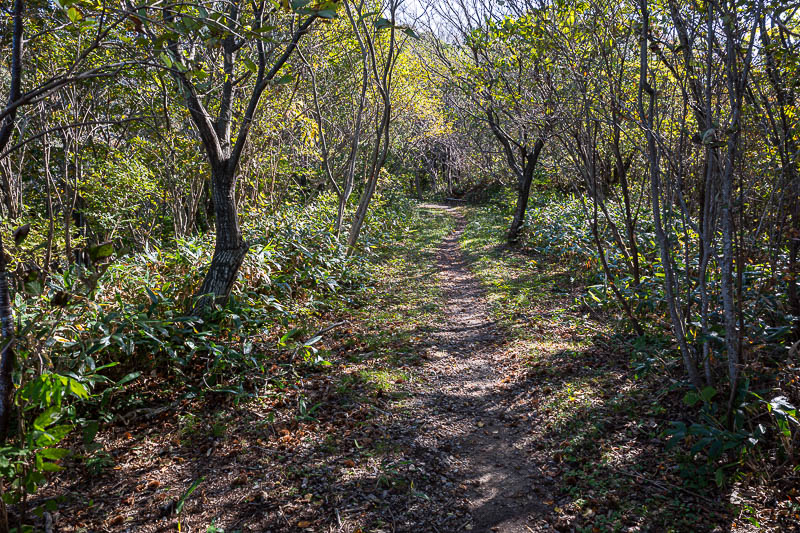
(185, 188)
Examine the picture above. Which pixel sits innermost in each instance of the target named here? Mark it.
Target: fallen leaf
(117, 520)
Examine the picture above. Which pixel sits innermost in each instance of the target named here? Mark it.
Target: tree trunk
(523, 192)
(792, 267)
(12, 196)
(379, 155)
(737, 75)
(361, 211)
(230, 249)
(51, 228)
(7, 356)
(340, 213)
(449, 171)
(647, 116)
(786, 145)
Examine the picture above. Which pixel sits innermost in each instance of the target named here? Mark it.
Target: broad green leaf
(54, 454)
(73, 14)
(691, 398)
(708, 393)
(47, 418)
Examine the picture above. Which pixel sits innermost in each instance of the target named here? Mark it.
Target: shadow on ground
(431, 418)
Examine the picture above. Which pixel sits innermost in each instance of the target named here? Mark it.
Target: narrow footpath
(429, 418)
(466, 399)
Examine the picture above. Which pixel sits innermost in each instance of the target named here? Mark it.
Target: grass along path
(320, 447)
(598, 402)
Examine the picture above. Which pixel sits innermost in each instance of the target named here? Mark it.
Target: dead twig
(661, 485)
(146, 412)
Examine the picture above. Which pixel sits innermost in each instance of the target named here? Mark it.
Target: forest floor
(466, 392)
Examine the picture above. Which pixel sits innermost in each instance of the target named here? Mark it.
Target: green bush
(89, 331)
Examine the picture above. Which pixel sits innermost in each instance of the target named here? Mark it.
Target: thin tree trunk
(383, 81)
(787, 148)
(350, 171)
(379, 157)
(626, 307)
(7, 356)
(737, 79)
(523, 193)
(590, 177)
(622, 168)
(48, 255)
(708, 214)
(648, 121)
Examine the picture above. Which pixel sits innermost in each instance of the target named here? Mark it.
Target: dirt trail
(432, 420)
(467, 400)
(455, 453)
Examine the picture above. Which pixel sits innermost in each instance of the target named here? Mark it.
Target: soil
(468, 402)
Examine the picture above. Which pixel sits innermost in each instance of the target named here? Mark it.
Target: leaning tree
(223, 56)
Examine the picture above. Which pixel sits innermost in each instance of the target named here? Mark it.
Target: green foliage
(48, 405)
(758, 430)
(118, 191)
(136, 321)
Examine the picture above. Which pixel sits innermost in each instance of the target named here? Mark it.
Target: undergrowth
(90, 337)
(620, 415)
